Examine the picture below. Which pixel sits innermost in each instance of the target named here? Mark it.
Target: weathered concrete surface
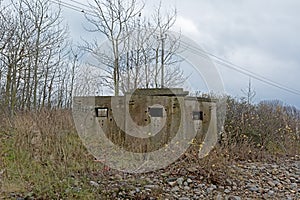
(129, 123)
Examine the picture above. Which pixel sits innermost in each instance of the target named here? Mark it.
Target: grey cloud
(261, 35)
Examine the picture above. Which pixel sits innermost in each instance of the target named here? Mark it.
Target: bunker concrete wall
(130, 115)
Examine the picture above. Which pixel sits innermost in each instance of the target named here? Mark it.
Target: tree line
(40, 67)
(34, 67)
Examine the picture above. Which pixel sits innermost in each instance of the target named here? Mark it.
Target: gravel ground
(242, 180)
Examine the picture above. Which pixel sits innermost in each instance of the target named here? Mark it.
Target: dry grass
(42, 156)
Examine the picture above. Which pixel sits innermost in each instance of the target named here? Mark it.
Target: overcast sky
(259, 35)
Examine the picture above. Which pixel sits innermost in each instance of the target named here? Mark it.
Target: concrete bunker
(148, 119)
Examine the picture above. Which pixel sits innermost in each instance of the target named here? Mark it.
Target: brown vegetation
(43, 157)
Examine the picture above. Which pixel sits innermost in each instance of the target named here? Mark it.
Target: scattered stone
(95, 184)
(228, 181)
(180, 181)
(184, 198)
(172, 184)
(213, 186)
(172, 179)
(186, 188)
(289, 198)
(234, 198)
(227, 191)
(293, 186)
(221, 187)
(192, 169)
(271, 183)
(209, 190)
(246, 180)
(252, 188)
(189, 180)
(271, 193)
(166, 174)
(219, 197)
(175, 189)
(151, 186)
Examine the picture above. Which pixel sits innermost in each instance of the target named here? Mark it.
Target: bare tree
(48, 43)
(110, 18)
(164, 23)
(87, 82)
(143, 50)
(31, 52)
(249, 92)
(13, 52)
(75, 56)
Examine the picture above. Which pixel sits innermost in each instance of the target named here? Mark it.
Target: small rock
(171, 179)
(252, 181)
(213, 186)
(95, 184)
(234, 198)
(166, 174)
(155, 180)
(186, 188)
(192, 169)
(271, 193)
(172, 184)
(189, 180)
(253, 167)
(265, 196)
(276, 182)
(271, 183)
(292, 179)
(227, 191)
(175, 189)
(221, 187)
(228, 181)
(150, 186)
(289, 198)
(184, 198)
(253, 188)
(219, 197)
(209, 190)
(293, 186)
(180, 181)
(275, 166)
